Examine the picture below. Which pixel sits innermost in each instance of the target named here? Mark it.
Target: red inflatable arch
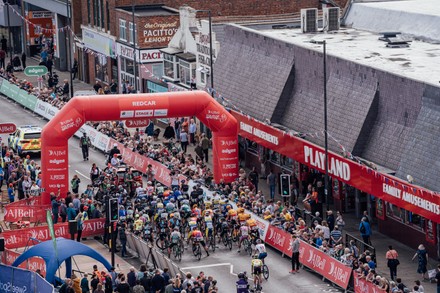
(55, 135)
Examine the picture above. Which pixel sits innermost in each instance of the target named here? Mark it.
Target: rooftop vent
(387, 35)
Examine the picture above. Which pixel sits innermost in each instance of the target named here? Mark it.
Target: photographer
(242, 283)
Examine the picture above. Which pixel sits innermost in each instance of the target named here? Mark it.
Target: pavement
(220, 262)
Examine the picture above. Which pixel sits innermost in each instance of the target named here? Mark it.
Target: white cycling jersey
(260, 248)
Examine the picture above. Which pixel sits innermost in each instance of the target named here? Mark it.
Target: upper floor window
(122, 30)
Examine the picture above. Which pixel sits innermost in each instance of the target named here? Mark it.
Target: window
(405, 216)
(101, 15)
(202, 77)
(130, 32)
(88, 14)
(101, 68)
(168, 65)
(187, 72)
(122, 30)
(157, 69)
(95, 12)
(108, 16)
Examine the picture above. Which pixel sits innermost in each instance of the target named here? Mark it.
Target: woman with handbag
(392, 261)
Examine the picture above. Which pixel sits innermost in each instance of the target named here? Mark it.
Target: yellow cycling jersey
(257, 263)
(208, 219)
(232, 213)
(243, 217)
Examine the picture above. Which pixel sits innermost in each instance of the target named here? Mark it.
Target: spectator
(392, 261)
(422, 260)
(184, 140)
(158, 282)
(97, 86)
(204, 143)
(123, 287)
(131, 277)
(138, 288)
(272, 181)
(94, 282)
(113, 87)
(169, 132)
(66, 88)
(76, 283)
(419, 284)
(2, 58)
(85, 284)
(192, 128)
(49, 65)
(23, 60)
(74, 69)
(365, 230)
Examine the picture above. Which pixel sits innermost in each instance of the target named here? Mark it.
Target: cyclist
(174, 221)
(197, 236)
(163, 229)
(208, 223)
(254, 233)
(175, 238)
(256, 268)
(260, 250)
(223, 227)
(244, 232)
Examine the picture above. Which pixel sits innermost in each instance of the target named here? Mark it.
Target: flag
(51, 231)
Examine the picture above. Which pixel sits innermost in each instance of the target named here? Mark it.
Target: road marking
(209, 266)
(231, 269)
(81, 174)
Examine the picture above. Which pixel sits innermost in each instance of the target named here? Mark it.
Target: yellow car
(26, 139)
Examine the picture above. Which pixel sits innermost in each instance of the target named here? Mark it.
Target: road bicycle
(247, 246)
(227, 241)
(197, 251)
(211, 241)
(177, 251)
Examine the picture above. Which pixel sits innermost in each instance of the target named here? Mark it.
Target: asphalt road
(224, 264)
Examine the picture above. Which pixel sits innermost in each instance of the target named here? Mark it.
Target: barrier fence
(362, 246)
(150, 255)
(32, 263)
(18, 280)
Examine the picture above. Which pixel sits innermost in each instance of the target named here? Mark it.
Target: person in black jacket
(158, 282)
(169, 132)
(113, 151)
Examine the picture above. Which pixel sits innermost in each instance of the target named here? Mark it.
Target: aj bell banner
(19, 238)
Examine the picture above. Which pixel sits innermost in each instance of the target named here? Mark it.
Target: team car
(26, 139)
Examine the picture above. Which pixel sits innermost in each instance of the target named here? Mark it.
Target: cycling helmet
(259, 241)
(240, 275)
(255, 256)
(176, 229)
(171, 215)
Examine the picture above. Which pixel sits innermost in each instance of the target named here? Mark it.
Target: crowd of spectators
(143, 280)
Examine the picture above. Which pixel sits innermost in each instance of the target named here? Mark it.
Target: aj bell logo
(57, 153)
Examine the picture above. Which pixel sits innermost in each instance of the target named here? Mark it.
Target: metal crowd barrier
(149, 254)
(361, 245)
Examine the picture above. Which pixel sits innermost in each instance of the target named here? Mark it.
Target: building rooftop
(418, 62)
(150, 10)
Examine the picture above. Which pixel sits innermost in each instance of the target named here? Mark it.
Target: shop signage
(388, 188)
(142, 56)
(203, 45)
(325, 265)
(40, 14)
(150, 56)
(98, 42)
(159, 34)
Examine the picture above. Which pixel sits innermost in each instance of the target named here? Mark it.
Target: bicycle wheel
(159, 244)
(247, 246)
(229, 243)
(266, 272)
(199, 252)
(212, 243)
(178, 253)
(235, 236)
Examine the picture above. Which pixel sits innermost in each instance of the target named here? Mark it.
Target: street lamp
(69, 44)
(323, 43)
(211, 73)
(134, 47)
(9, 31)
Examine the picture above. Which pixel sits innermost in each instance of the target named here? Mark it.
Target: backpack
(363, 229)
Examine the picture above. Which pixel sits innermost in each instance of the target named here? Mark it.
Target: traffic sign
(35, 70)
(8, 128)
(137, 123)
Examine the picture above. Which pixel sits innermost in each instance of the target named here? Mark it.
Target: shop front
(404, 211)
(148, 66)
(97, 57)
